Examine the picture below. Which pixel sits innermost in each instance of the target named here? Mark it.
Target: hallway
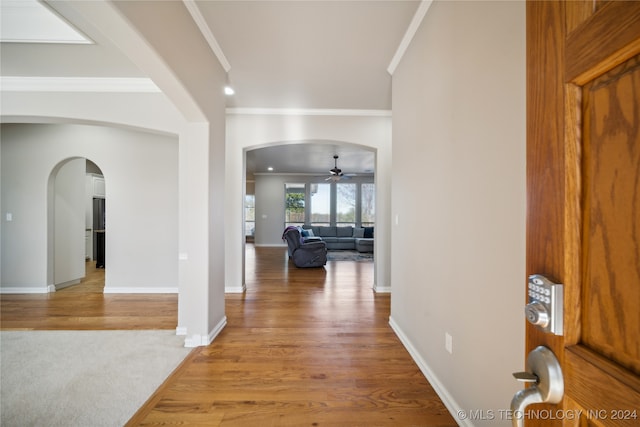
(302, 347)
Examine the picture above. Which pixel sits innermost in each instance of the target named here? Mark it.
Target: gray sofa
(345, 238)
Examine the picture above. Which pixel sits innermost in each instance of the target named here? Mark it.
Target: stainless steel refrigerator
(99, 231)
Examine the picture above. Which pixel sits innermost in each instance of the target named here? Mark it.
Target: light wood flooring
(302, 347)
(86, 307)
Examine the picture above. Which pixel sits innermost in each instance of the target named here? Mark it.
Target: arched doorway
(76, 218)
(305, 165)
(251, 130)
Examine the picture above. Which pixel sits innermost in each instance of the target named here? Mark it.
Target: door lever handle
(525, 377)
(547, 386)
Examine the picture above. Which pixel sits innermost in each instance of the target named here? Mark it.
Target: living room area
(330, 196)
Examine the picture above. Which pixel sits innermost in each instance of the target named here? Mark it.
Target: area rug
(82, 378)
(349, 256)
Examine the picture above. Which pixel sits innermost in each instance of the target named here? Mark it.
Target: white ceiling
(30, 21)
(311, 159)
(330, 54)
(309, 54)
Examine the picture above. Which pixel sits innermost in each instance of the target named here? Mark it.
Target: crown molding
(308, 112)
(77, 84)
(197, 16)
(408, 35)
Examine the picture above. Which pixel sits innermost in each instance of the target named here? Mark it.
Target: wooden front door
(583, 202)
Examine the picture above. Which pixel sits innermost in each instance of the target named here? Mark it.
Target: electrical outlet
(448, 342)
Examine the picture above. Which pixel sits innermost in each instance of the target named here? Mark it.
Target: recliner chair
(310, 254)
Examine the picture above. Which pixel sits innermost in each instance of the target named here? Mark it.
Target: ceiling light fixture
(228, 89)
(270, 168)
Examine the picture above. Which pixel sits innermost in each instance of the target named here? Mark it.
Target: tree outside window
(346, 204)
(294, 204)
(320, 204)
(249, 214)
(368, 205)
(352, 204)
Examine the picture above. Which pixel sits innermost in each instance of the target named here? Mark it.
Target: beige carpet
(82, 378)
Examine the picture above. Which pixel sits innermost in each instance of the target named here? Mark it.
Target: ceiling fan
(336, 172)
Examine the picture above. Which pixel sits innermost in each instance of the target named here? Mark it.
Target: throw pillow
(310, 233)
(358, 233)
(368, 232)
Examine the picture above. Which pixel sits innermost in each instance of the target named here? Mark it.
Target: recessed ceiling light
(228, 90)
(270, 168)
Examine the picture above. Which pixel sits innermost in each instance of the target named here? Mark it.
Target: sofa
(341, 238)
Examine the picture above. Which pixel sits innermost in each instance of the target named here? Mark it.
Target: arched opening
(325, 200)
(76, 222)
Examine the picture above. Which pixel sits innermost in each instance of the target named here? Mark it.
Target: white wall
(141, 173)
(270, 213)
(247, 131)
(459, 195)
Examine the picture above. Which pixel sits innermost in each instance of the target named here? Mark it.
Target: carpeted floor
(82, 378)
(336, 255)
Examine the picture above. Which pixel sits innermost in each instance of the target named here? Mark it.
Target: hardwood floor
(302, 347)
(86, 307)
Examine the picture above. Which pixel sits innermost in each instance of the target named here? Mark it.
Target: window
(320, 204)
(249, 214)
(294, 204)
(368, 205)
(346, 204)
(336, 203)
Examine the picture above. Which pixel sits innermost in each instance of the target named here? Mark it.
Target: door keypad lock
(545, 304)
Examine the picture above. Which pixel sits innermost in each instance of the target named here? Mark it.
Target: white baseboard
(201, 340)
(452, 406)
(195, 341)
(217, 329)
(138, 290)
(181, 330)
(270, 245)
(58, 286)
(107, 290)
(25, 290)
(235, 289)
(381, 289)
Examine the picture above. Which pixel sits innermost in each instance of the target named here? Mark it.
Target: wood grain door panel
(611, 215)
(583, 184)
